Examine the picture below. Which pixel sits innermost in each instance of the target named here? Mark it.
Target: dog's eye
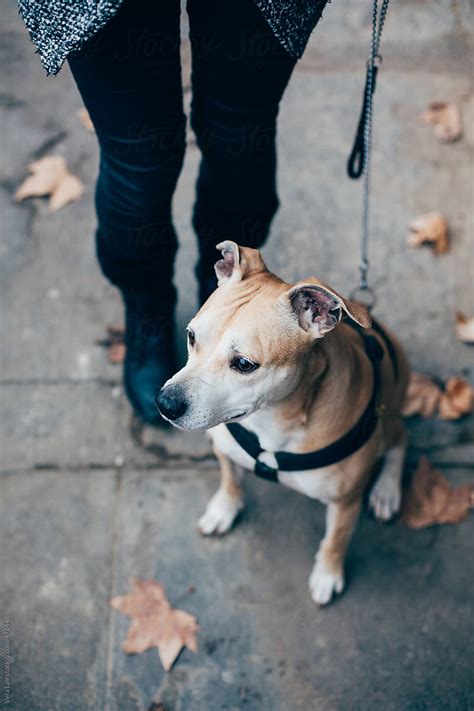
(243, 365)
(191, 337)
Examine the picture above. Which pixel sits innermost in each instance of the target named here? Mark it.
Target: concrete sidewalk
(87, 500)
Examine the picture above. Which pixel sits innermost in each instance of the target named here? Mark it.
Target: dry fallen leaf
(69, 189)
(446, 120)
(430, 499)
(464, 328)
(50, 176)
(155, 623)
(423, 396)
(114, 343)
(426, 398)
(456, 400)
(85, 119)
(430, 229)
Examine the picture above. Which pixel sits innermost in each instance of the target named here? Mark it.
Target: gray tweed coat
(58, 27)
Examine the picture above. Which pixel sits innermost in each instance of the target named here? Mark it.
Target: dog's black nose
(171, 403)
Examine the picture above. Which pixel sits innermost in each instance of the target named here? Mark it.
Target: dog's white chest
(316, 483)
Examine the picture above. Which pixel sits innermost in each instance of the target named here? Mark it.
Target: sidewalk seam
(111, 618)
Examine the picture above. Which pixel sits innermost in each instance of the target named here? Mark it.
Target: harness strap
(346, 445)
(387, 341)
(390, 348)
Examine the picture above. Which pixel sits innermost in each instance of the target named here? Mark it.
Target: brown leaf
(114, 343)
(69, 189)
(430, 229)
(464, 328)
(155, 623)
(456, 400)
(460, 501)
(50, 176)
(45, 174)
(426, 398)
(85, 119)
(423, 396)
(431, 500)
(446, 120)
(116, 353)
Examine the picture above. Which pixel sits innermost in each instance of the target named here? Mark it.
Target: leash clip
(365, 296)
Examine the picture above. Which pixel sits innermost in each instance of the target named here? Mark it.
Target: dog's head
(248, 344)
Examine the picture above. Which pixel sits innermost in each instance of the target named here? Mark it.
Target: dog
(319, 389)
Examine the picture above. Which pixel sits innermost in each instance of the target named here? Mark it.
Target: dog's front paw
(324, 583)
(385, 498)
(220, 514)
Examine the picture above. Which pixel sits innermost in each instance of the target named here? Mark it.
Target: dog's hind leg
(224, 507)
(386, 494)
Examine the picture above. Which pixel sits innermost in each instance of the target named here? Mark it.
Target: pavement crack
(10, 101)
(174, 462)
(49, 144)
(99, 380)
(111, 617)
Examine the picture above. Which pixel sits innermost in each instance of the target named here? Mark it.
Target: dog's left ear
(237, 262)
(319, 308)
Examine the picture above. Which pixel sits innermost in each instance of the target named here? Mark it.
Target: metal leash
(360, 159)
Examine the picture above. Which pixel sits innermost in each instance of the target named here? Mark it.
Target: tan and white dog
(284, 360)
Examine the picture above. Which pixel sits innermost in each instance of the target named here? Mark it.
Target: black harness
(346, 445)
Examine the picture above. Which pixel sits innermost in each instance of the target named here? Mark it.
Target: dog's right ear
(237, 262)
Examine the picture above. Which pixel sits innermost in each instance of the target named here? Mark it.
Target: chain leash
(361, 156)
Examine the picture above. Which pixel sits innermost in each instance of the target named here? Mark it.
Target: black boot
(150, 350)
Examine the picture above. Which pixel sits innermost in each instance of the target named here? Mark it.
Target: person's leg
(129, 76)
(239, 74)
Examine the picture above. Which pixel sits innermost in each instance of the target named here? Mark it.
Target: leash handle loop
(357, 158)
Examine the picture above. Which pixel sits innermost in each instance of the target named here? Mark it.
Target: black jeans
(129, 76)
